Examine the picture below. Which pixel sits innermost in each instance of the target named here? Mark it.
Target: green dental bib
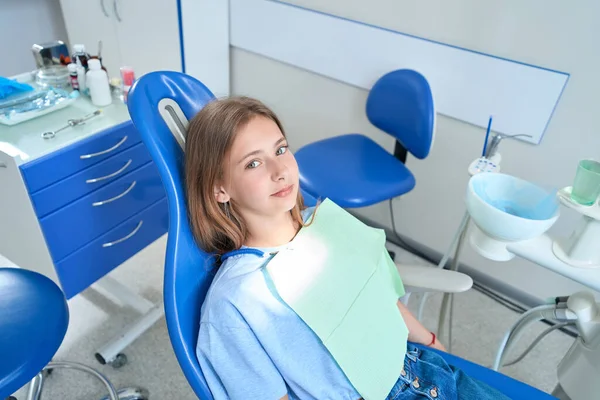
(338, 277)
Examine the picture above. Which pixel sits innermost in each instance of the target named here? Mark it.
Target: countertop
(24, 142)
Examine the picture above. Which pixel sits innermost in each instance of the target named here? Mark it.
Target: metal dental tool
(70, 123)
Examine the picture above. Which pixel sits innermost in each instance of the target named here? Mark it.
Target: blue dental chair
(353, 170)
(160, 104)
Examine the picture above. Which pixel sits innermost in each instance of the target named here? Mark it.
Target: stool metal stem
(35, 387)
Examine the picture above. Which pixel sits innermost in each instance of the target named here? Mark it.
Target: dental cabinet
(76, 206)
(142, 34)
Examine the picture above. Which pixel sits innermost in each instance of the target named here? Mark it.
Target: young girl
(243, 195)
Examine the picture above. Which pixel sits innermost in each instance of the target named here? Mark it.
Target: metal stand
(111, 352)
(36, 385)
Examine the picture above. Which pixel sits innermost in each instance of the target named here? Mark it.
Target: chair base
(111, 351)
(129, 393)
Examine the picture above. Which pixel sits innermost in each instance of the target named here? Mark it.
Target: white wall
(548, 33)
(22, 24)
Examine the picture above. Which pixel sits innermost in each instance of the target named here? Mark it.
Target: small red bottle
(73, 76)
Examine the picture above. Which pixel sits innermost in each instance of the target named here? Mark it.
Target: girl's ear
(220, 194)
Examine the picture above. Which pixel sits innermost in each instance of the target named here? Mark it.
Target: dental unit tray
(25, 106)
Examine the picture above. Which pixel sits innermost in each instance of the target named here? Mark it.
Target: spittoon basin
(509, 208)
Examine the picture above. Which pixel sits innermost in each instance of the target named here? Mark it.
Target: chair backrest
(401, 104)
(160, 105)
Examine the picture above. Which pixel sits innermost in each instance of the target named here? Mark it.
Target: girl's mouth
(284, 192)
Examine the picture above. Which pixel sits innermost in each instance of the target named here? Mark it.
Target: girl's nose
(280, 170)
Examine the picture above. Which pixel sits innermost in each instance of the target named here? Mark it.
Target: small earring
(226, 206)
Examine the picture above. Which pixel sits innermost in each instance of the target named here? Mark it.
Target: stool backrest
(160, 105)
(401, 104)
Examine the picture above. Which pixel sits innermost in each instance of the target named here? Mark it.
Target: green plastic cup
(586, 187)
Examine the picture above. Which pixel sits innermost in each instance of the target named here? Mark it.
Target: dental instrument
(536, 341)
(70, 123)
(553, 312)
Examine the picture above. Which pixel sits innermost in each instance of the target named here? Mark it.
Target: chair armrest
(428, 279)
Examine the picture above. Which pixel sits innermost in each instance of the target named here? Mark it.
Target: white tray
(26, 116)
(22, 117)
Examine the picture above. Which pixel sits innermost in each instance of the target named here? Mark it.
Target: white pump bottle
(97, 82)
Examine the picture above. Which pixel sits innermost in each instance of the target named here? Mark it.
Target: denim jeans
(426, 375)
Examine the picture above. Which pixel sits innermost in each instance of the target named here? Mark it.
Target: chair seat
(508, 386)
(33, 322)
(352, 170)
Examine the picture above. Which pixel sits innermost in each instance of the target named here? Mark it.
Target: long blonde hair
(209, 137)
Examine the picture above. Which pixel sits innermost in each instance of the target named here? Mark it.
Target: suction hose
(546, 311)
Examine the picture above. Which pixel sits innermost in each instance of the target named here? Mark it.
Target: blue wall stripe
(416, 37)
(179, 17)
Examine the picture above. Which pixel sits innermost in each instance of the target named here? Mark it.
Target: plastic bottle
(127, 77)
(97, 82)
(80, 54)
(81, 77)
(73, 76)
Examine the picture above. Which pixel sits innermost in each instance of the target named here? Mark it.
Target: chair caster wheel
(11, 398)
(119, 361)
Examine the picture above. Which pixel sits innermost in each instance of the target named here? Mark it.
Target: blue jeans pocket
(426, 375)
(412, 384)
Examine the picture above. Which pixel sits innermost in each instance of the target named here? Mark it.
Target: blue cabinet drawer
(88, 264)
(75, 225)
(58, 165)
(70, 189)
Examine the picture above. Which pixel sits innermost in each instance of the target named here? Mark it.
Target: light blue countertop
(24, 142)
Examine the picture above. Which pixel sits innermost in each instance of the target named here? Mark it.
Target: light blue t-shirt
(251, 345)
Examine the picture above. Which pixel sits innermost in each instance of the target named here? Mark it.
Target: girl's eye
(281, 150)
(253, 164)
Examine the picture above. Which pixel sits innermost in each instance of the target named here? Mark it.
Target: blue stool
(353, 170)
(33, 322)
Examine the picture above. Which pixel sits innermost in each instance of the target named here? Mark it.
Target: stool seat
(33, 322)
(352, 170)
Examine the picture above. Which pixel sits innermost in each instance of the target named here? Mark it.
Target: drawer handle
(110, 175)
(116, 146)
(101, 203)
(124, 238)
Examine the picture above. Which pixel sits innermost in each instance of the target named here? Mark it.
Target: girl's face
(260, 173)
